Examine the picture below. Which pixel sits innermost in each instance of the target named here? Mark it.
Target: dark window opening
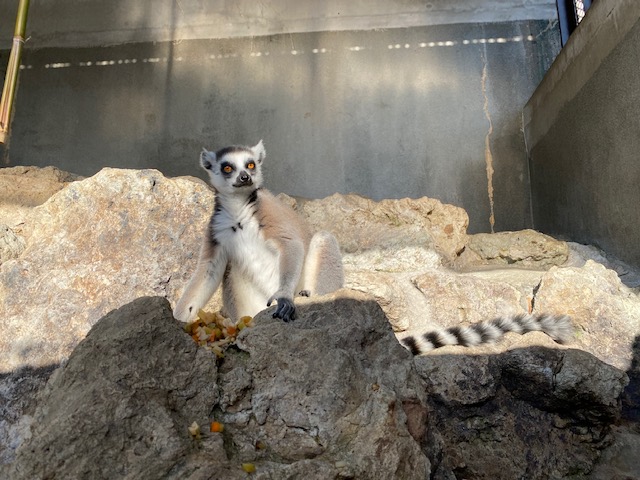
(570, 14)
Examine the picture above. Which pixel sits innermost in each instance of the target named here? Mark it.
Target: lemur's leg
(290, 268)
(204, 282)
(323, 271)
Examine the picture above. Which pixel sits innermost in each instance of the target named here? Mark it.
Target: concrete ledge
(97, 23)
(604, 26)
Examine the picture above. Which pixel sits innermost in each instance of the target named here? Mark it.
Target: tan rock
(395, 293)
(605, 312)
(361, 224)
(526, 248)
(92, 247)
(456, 298)
(387, 274)
(11, 245)
(579, 255)
(26, 187)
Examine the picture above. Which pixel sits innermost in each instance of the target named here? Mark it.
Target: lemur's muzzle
(243, 180)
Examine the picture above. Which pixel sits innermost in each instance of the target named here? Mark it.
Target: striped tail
(558, 327)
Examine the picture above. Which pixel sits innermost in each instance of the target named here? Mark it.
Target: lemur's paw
(184, 313)
(286, 310)
(305, 293)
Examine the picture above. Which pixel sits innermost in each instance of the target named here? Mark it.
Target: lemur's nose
(244, 179)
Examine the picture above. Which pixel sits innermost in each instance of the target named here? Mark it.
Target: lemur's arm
(204, 282)
(291, 260)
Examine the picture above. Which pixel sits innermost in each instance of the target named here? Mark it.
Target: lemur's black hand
(285, 310)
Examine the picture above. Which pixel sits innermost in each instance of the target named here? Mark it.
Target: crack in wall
(488, 156)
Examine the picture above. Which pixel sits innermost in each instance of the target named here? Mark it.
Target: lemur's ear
(207, 159)
(259, 152)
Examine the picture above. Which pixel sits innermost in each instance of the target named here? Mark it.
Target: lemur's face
(234, 169)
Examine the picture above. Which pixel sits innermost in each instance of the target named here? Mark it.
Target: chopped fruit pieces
(215, 332)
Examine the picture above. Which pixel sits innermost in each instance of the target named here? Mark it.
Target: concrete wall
(84, 23)
(388, 113)
(583, 134)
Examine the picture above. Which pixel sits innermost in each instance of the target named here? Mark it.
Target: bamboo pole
(13, 67)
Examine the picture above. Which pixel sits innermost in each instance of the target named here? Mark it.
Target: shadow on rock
(18, 397)
(631, 397)
(528, 413)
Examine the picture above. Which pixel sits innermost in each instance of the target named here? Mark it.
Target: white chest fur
(252, 258)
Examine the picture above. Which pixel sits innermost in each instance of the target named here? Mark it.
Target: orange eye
(227, 169)
(251, 165)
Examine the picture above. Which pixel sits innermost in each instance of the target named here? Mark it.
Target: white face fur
(234, 169)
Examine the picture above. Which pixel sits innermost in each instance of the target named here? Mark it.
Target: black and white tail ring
(558, 327)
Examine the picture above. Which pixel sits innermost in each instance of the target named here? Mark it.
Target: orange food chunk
(217, 427)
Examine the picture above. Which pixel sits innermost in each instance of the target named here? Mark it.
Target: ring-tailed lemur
(558, 327)
(256, 246)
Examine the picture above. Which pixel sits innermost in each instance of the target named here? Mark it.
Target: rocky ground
(333, 395)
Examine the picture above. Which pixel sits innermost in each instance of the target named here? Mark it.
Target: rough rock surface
(92, 247)
(390, 224)
(318, 398)
(389, 279)
(579, 255)
(621, 460)
(527, 248)
(19, 392)
(121, 405)
(529, 413)
(456, 299)
(600, 305)
(24, 188)
(99, 243)
(11, 245)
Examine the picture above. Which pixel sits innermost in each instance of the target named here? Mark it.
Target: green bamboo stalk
(13, 67)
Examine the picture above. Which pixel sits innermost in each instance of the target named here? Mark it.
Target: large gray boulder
(331, 395)
(120, 406)
(317, 398)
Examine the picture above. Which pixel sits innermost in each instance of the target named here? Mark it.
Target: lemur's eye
(251, 165)
(227, 169)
